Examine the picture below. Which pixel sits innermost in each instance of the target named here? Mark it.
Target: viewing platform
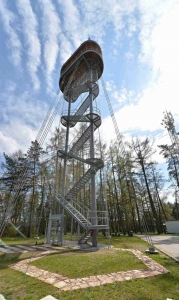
(87, 57)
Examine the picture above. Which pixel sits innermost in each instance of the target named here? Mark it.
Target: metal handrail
(82, 207)
(73, 112)
(101, 215)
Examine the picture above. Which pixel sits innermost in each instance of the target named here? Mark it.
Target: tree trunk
(158, 225)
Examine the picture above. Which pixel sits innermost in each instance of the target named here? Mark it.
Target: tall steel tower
(79, 74)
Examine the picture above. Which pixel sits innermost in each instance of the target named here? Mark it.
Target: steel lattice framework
(85, 67)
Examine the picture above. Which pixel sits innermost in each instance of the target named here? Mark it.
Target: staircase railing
(82, 214)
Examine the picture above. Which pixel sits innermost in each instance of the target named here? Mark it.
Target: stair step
(79, 184)
(83, 138)
(85, 105)
(74, 212)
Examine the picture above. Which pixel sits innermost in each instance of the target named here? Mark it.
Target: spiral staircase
(88, 63)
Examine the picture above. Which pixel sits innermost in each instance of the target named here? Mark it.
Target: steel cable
(41, 138)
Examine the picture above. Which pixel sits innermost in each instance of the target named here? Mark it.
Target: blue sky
(140, 43)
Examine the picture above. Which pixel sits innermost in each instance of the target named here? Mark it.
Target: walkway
(26, 248)
(65, 284)
(169, 244)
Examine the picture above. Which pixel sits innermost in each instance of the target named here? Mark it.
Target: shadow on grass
(8, 259)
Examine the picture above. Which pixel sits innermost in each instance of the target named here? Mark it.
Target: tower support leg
(64, 173)
(93, 173)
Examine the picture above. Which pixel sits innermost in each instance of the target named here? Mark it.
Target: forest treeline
(132, 189)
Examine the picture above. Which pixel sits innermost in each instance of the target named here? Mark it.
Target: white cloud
(11, 86)
(20, 120)
(156, 25)
(129, 55)
(92, 19)
(32, 42)
(119, 96)
(9, 21)
(119, 11)
(19, 138)
(147, 114)
(20, 107)
(72, 21)
(51, 30)
(8, 144)
(160, 140)
(160, 50)
(83, 20)
(110, 85)
(123, 96)
(163, 56)
(67, 23)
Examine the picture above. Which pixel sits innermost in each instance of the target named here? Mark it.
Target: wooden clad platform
(89, 57)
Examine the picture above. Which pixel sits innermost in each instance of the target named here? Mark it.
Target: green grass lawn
(89, 264)
(16, 285)
(21, 241)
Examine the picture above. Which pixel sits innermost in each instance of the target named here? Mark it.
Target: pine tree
(142, 155)
(33, 156)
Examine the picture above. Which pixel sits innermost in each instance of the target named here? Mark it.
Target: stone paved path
(25, 248)
(65, 284)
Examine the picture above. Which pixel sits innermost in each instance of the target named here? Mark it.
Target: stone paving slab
(66, 284)
(23, 248)
(5, 250)
(29, 248)
(49, 297)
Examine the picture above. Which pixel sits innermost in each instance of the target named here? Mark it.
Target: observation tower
(79, 75)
